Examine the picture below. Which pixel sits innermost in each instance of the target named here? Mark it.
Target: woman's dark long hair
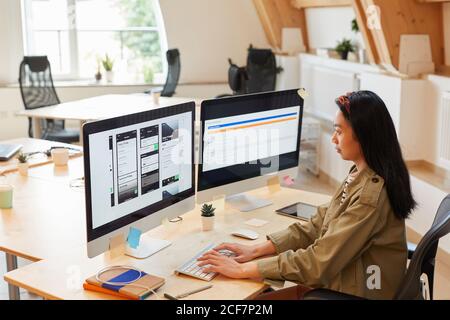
(375, 131)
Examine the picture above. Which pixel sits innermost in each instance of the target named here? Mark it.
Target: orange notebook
(91, 287)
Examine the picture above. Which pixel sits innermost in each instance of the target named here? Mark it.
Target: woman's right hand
(243, 253)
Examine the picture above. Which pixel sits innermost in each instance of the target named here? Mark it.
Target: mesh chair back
(173, 74)
(261, 70)
(36, 83)
(37, 89)
(426, 249)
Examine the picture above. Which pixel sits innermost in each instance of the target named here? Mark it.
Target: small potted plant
(108, 64)
(98, 75)
(208, 217)
(344, 47)
(23, 164)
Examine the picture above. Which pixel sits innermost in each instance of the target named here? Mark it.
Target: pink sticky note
(288, 181)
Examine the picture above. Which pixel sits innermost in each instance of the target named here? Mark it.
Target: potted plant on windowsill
(344, 47)
(23, 164)
(208, 217)
(108, 65)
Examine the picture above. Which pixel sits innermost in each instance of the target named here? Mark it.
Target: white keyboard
(192, 269)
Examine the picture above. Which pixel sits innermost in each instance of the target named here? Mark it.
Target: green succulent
(208, 210)
(22, 157)
(108, 63)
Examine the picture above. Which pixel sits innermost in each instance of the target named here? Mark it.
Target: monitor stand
(246, 203)
(147, 247)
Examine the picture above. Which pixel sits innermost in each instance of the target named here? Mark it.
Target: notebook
(8, 150)
(130, 291)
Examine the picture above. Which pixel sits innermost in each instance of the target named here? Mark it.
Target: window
(76, 35)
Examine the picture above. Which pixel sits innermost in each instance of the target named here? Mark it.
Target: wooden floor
(305, 181)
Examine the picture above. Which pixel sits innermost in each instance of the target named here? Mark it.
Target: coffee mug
(156, 95)
(6, 196)
(60, 156)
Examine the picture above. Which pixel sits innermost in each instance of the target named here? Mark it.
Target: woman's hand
(216, 262)
(243, 253)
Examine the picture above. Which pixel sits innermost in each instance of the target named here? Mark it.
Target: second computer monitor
(247, 140)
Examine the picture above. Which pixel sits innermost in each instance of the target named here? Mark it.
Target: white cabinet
(310, 145)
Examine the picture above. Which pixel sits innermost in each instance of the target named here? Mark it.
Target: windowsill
(90, 83)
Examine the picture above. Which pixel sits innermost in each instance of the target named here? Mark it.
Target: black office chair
(173, 74)
(424, 256)
(37, 90)
(259, 75)
(430, 261)
(261, 70)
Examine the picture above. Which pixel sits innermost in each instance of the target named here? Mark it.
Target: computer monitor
(139, 170)
(247, 140)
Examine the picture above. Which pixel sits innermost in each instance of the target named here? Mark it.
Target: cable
(124, 283)
(175, 220)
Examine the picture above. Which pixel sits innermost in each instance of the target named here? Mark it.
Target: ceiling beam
(278, 14)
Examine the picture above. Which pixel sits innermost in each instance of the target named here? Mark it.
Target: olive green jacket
(358, 247)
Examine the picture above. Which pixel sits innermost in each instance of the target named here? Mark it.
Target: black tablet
(299, 210)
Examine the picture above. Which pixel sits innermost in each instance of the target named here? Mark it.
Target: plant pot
(110, 76)
(98, 76)
(344, 55)
(23, 169)
(208, 223)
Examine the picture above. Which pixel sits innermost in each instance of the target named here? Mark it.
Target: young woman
(356, 244)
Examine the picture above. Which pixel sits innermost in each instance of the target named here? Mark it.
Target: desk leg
(11, 264)
(37, 130)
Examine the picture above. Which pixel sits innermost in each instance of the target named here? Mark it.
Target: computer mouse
(246, 234)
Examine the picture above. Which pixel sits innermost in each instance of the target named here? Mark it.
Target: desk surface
(32, 145)
(102, 107)
(61, 277)
(48, 214)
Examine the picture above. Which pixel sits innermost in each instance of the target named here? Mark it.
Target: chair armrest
(411, 249)
(326, 294)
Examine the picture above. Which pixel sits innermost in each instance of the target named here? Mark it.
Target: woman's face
(344, 139)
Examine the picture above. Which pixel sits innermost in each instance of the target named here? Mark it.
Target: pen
(184, 295)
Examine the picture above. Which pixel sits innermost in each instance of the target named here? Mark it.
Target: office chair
(173, 74)
(37, 90)
(259, 75)
(261, 70)
(429, 263)
(411, 287)
(237, 77)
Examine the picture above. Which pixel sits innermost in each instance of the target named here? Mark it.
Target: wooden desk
(97, 108)
(42, 217)
(62, 277)
(33, 145)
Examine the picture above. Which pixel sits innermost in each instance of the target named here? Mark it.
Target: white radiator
(444, 148)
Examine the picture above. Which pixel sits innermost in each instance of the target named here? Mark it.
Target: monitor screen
(136, 165)
(248, 136)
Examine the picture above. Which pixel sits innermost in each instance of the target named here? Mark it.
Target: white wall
(11, 48)
(327, 26)
(208, 32)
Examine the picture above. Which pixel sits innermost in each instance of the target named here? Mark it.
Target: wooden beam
(278, 14)
(361, 18)
(301, 4)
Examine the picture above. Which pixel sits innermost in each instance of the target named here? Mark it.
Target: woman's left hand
(228, 266)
